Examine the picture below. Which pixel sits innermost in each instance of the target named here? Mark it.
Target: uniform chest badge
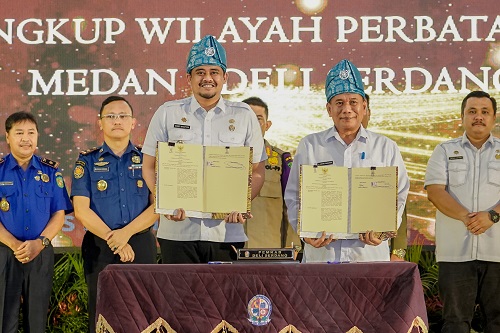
(4, 205)
(136, 159)
(183, 119)
(45, 178)
(140, 183)
(102, 185)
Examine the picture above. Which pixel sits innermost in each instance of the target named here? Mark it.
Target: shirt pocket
(8, 192)
(272, 184)
(231, 139)
(184, 135)
(44, 196)
(457, 173)
(137, 185)
(494, 173)
(103, 184)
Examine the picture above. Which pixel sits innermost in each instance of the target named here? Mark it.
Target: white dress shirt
(367, 149)
(472, 177)
(227, 124)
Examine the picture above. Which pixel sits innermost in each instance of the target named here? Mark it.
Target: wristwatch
(494, 216)
(45, 241)
(400, 253)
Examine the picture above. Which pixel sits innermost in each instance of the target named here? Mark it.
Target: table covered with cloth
(380, 297)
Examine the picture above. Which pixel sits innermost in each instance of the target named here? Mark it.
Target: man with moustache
(345, 144)
(463, 182)
(112, 200)
(32, 209)
(204, 118)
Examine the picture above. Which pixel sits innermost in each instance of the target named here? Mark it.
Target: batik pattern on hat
(344, 77)
(207, 51)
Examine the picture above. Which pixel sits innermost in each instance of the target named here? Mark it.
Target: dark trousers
(195, 252)
(97, 255)
(32, 281)
(464, 284)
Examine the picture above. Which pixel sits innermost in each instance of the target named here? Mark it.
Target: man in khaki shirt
(269, 227)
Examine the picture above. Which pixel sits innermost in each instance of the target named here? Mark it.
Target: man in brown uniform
(269, 227)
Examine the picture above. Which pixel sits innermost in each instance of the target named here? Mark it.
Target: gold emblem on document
(45, 178)
(4, 205)
(102, 185)
(140, 183)
(136, 159)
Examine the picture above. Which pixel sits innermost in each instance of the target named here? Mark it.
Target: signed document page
(347, 201)
(207, 182)
(324, 200)
(228, 173)
(179, 178)
(374, 199)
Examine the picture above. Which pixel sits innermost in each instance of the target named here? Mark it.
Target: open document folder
(347, 201)
(206, 181)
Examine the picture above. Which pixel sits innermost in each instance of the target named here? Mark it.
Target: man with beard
(463, 182)
(206, 119)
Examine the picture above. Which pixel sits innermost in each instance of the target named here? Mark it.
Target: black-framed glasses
(116, 116)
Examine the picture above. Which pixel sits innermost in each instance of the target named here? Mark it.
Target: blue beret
(207, 51)
(344, 77)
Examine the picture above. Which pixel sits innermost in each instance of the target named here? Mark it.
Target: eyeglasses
(116, 116)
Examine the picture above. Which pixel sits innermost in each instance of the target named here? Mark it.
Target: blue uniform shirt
(29, 198)
(117, 191)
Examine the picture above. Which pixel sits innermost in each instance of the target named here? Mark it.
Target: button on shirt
(32, 198)
(117, 191)
(227, 124)
(368, 149)
(472, 177)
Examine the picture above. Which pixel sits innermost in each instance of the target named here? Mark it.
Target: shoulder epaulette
(88, 151)
(1, 160)
(138, 147)
(50, 163)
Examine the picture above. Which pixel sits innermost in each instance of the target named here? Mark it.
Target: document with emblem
(206, 181)
(347, 201)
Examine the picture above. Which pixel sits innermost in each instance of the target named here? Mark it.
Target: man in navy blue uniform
(32, 209)
(112, 200)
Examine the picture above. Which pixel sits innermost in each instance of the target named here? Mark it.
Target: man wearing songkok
(204, 118)
(345, 144)
(463, 182)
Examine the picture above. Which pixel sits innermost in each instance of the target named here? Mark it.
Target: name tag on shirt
(182, 126)
(6, 183)
(456, 158)
(324, 163)
(101, 169)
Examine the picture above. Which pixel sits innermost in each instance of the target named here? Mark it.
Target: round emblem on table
(102, 185)
(259, 310)
(4, 205)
